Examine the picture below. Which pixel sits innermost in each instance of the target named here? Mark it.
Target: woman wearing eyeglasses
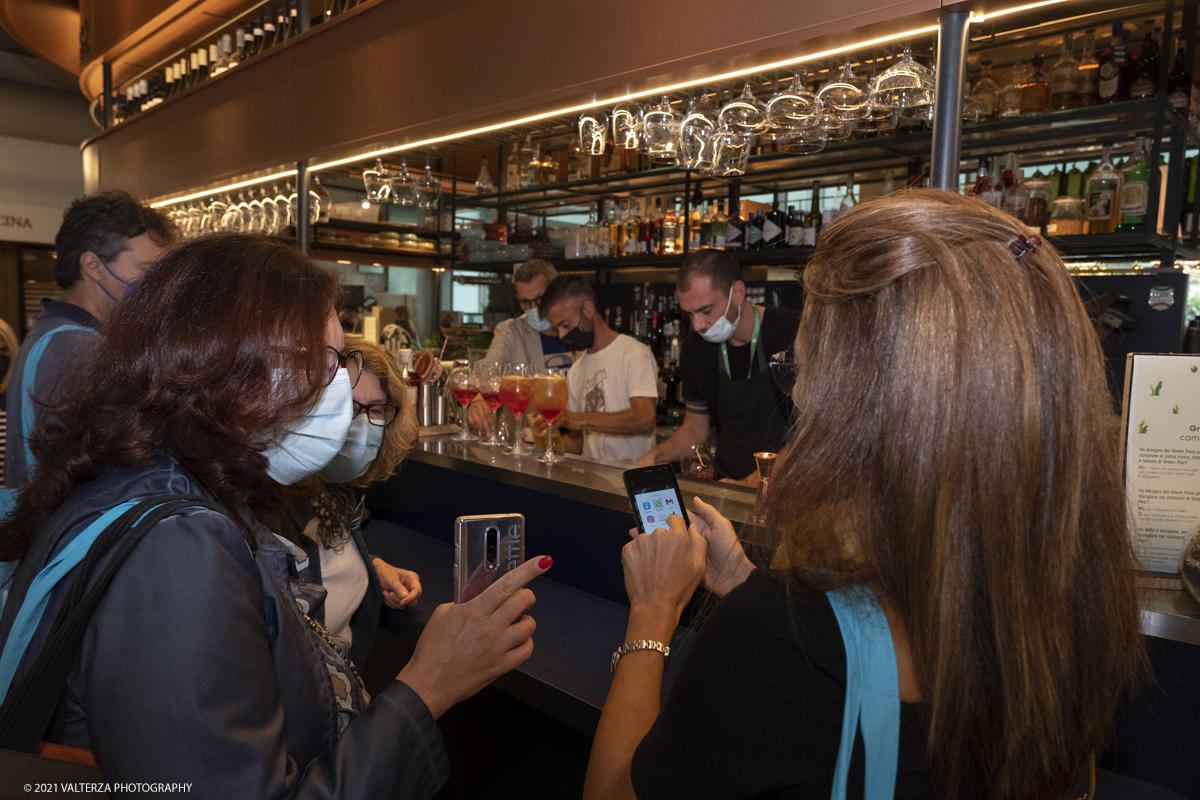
(219, 379)
(344, 586)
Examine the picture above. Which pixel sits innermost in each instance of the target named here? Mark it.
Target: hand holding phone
(486, 548)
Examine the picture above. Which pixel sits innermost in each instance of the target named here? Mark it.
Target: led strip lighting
(575, 109)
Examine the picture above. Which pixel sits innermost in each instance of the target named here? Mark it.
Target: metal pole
(303, 209)
(303, 12)
(947, 113)
(108, 96)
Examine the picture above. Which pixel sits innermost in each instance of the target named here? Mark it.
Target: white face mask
(536, 320)
(312, 441)
(722, 329)
(357, 454)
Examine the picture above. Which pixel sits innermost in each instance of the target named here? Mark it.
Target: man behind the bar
(524, 340)
(613, 386)
(726, 383)
(104, 246)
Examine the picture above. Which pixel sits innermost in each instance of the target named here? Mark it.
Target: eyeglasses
(352, 361)
(528, 304)
(783, 369)
(380, 414)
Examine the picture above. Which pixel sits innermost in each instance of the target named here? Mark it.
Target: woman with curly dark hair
(219, 377)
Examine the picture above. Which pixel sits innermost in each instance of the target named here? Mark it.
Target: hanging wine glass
(660, 128)
(378, 182)
(731, 151)
(695, 135)
(257, 220)
(404, 186)
(801, 141)
(627, 125)
(429, 188)
(793, 107)
(322, 203)
(275, 215)
(744, 112)
(846, 95)
(593, 131)
(283, 205)
(483, 184)
(906, 84)
(833, 125)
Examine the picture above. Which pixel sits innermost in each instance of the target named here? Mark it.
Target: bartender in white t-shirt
(613, 387)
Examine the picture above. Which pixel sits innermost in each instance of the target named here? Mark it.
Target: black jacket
(197, 668)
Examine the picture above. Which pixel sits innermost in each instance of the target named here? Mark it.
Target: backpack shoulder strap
(872, 693)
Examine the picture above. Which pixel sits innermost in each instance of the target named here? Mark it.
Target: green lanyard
(753, 344)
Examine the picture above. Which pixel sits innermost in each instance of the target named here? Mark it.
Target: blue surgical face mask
(306, 446)
(129, 285)
(536, 320)
(722, 329)
(357, 454)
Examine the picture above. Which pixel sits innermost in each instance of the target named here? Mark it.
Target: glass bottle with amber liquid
(1064, 89)
(1103, 195)
(986, 92)
(670, 230)
(1035, 89)
(1088, 82)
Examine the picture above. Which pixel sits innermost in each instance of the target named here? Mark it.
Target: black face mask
(579, 339)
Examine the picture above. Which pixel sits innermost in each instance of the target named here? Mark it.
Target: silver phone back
(473, 571)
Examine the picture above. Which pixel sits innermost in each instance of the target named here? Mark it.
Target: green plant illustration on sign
(1155, 390)
(1142, 427)
(1175, 410)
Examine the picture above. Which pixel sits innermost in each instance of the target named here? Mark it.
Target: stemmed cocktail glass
(549, 398)
(464, 388)
(516, 391)
(488, 376)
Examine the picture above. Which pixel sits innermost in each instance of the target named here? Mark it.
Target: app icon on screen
(650, 518)
(646, 506)
(670, 502)
(658, 503)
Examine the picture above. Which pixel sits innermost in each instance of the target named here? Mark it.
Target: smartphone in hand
(654, 496)
(486, 548)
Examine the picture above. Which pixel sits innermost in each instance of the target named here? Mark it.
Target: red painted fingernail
(544, 562)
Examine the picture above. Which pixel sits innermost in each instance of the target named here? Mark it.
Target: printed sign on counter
(1162, 455)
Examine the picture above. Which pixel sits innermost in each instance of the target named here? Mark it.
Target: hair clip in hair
(1021, 245)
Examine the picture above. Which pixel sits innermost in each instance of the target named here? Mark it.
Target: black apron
(750, 420)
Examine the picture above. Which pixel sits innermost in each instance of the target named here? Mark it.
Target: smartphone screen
(654, 496)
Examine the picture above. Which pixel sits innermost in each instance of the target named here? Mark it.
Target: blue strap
(38, 596)
(28, 423)
(872, 693)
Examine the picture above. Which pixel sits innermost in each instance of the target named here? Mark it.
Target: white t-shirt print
(604, 382)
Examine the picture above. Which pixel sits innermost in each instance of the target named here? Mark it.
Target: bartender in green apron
(723, 361)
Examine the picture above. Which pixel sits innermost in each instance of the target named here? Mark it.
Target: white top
(604, 382)
(344, 576)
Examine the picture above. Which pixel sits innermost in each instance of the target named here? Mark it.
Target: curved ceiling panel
(48, 28)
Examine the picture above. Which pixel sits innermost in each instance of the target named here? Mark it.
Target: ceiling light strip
(668, 89)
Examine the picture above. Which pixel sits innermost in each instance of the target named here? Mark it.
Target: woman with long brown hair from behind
(955, 452)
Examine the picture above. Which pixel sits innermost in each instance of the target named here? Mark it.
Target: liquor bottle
(619, 321)
(268, 32)
(1113, 87)
(718, 227)
(591, 235)
(169, 78)
(1010, 97)
(649, 230)
(735, 226)
(1103, 195)
(706, 226)
(633, 227)
(986, 92)
(889, 182)
(849, 201)
(185, 72)
(1075, 185)
(201, 65)
(795, 228)
(616, 228)
(1064, 89)
(512, 171)
(1016, 194)
(983, 180)
(1145, 78)
(812, 220)
(283, 28)
(754, 231)
(293, 19)
(1035, 89)
(532, 169)
(1179, 83)
(1135, 187)
(573, 163)
(1089, 72)
(695, 220)
(993, 195)
(670, 230)
(214, 55)
(774, 233)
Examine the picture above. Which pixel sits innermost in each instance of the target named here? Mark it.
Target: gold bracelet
(640, 644)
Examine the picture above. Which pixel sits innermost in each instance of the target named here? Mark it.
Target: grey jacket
(197, 668)
(516, 342)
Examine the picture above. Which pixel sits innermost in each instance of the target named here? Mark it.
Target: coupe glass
(744, 112)
(906, 84)
(794, 107)
(464, 387)
(549, 398)
(378, 182)
(488, 377)
(429, 189)
(731, 151)
(626, 120)
(660, 128)
(847, 95)
(593, 131)
(695, 135)
(404, 187)
(516, 392)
